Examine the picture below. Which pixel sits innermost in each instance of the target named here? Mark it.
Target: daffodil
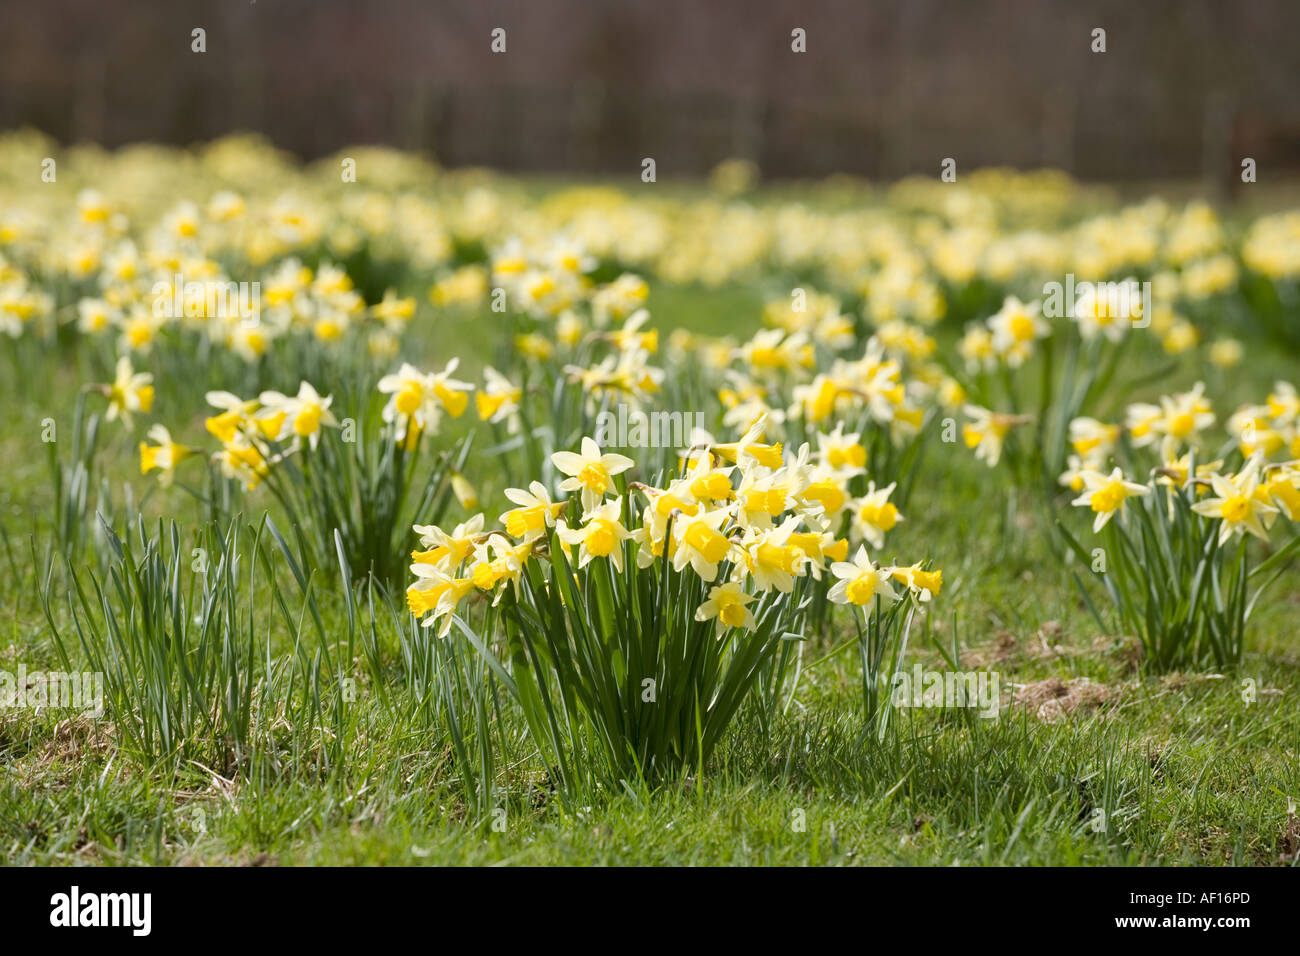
(860, 581)
(1072, 477)
(498, 400)
(824, 497)
(1106, 494)
(536, 512)
(96, 315)
(241, 458)
(1141, 419)
(842, 454)
(418, 399)
(622, 297)
(770, 558)
(1236, 503)
(393, 311)
(225, 206)
(951, 393)
(1283, 404)
(904, 339)
(300, 416)
(665, 501)
(764, 494)
(727, 604)
(1108, 308)
(1015, 327)
(497, 562)
(623, 377)
(451, 393)
(700, 542)
(750, 444)
(568, 256)
(819, 547)
(601, 535)
(1093, 440)
(249, 341)
(652, 537)
(93, 207)
(874, 514)
(236, 415)
(875, 380)
(1280, 486)
(747, 403)
(773, 351)
(412, 401)
(1174, 471)
(1183, 417)
(986, 432)
(706, 482)
(1226, 353)
(590, 471)
(976, 348)
(534, 346)
(631, 338)
(130, 392)
(436, 594)
(818, 400)
(164, 455)
(183, 222)
(1253, 428)
(923, 584)
(464, 286)
(1180, 337)
(453, 547)
(330, 325)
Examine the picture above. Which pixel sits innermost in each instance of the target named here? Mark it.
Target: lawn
(269, 702)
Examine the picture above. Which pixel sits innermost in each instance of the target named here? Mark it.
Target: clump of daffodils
(1175, 561)
(256, 434)
(652, 610)
(418, 400)
(1243, 501)
(744, 518)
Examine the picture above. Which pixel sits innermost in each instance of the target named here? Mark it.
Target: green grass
(1174, 770)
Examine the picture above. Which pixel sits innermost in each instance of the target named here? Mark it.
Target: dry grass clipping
(1052, 699)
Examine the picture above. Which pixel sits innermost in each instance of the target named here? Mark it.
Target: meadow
(954, 571)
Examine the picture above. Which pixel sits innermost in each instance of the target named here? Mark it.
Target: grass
(1094, 763)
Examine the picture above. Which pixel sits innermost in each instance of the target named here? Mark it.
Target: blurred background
(886, 87)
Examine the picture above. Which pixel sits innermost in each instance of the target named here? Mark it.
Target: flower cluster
(1245, 500)
(246, 429)
(258, 433)
(741, 516)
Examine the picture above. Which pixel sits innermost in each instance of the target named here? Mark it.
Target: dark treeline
(886, 86)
